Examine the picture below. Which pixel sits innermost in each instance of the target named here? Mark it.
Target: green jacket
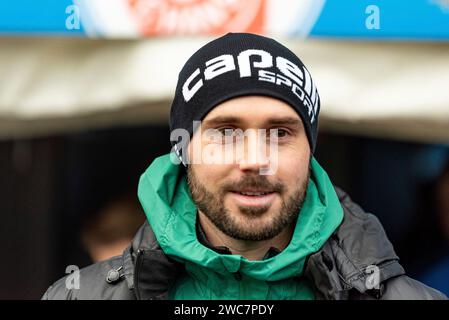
(172, 214)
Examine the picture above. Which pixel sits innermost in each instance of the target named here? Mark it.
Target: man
(108, 231)
(242, 210)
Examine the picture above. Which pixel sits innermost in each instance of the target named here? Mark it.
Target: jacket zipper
(139, 259)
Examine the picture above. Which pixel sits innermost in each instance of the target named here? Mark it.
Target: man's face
(234, 196)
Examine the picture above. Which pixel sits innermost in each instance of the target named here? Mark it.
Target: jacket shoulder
(90, 283)
(363, 238)
(405, 288)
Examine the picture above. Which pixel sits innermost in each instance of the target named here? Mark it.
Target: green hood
(172, 214)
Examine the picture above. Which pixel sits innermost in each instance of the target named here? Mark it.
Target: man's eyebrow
(221, 119)
(284, 121)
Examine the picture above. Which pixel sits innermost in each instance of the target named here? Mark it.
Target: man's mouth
(252, 198)
(253, 193)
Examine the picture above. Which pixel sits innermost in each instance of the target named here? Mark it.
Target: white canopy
(54, 85)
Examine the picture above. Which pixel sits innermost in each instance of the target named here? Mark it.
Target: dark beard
(212, 205)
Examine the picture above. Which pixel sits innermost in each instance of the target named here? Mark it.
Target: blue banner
(379, 19)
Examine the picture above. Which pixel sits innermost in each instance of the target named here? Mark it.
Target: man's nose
(254, 157)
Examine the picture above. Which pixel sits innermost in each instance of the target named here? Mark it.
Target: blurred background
(85, 92)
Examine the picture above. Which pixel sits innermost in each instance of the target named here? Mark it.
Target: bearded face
(240, 201)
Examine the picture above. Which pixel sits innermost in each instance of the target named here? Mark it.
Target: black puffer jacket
(338, 271)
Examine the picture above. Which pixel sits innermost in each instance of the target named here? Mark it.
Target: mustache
(253, 182)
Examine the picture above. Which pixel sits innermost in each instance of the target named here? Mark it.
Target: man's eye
(279, 133)
(228, 132)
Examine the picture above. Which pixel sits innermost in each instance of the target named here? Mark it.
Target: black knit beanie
(240, 64)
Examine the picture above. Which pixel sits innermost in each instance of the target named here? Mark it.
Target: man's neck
(251, 250)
